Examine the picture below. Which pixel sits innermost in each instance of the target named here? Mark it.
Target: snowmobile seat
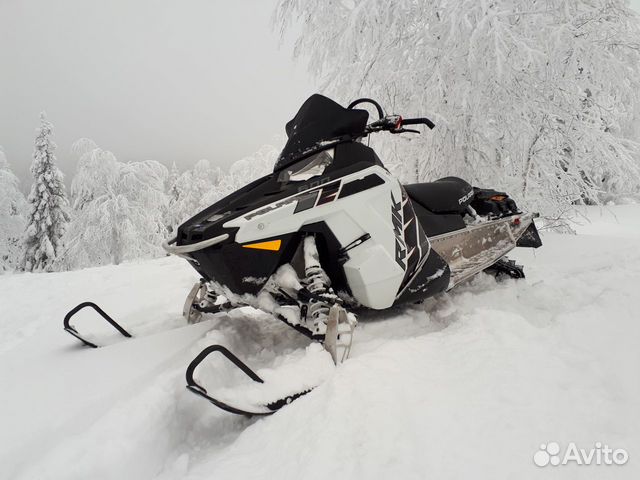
(437, 223)
(446, 195)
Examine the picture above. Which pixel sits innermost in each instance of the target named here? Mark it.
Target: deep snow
(467, 385)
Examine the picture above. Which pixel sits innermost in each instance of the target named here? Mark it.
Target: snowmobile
(330, 232)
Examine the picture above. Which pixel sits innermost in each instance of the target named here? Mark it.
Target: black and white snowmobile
(331, 232)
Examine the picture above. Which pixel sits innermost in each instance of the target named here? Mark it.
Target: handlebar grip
(418, 121)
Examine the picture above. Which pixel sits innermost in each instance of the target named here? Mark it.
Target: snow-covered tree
(83, 188)
(193, 190)
(245, 171)
(206, 183)
(118, 209)
(172, 189)
(48, 214)
(539, 97)
(171, 215)
(12, 221)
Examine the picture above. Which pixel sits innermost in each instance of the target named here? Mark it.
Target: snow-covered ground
(467, 385)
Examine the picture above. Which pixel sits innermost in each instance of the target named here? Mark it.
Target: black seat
(446, 195)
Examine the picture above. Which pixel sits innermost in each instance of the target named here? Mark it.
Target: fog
(147, 79)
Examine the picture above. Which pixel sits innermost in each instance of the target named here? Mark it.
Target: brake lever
(404, 130)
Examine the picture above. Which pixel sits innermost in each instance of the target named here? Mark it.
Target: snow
(466, 385)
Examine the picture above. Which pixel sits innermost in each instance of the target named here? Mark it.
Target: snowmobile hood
(319, 119)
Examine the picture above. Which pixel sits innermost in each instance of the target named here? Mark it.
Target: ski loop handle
(228, 355)
(198, 389)
(70, 329)
(194, 387)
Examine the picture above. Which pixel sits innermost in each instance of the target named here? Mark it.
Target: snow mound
(472, 381)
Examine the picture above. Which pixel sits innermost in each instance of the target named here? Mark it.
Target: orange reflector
(273, 245)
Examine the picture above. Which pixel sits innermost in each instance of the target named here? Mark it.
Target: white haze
(149, 79)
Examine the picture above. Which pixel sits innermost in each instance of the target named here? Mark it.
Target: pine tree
(170, 215)
(48, 214)
(173, 191)
(12, 210)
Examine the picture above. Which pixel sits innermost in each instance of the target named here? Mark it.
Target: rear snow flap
(530, 238)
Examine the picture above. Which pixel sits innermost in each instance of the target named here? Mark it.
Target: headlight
(216, 217)
(307, 168)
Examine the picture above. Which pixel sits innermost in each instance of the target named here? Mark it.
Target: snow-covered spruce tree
(172, 189)
(171, 216)
(12, 217)
(48, 214)
(539, 97)
(118, 209)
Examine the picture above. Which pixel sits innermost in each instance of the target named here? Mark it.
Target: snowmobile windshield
(319, 125)
(307, 168)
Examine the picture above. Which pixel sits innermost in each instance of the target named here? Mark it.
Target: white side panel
(372, 272)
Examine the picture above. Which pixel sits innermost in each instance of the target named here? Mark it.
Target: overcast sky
(147, 79)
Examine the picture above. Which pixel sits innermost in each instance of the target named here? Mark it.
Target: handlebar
(396, 124)
(357, 102)
(418, 121)
(390, 123)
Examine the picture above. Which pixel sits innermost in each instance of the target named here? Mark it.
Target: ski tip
(74, 332)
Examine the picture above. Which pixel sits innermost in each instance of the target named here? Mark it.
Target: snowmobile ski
(72, 330)
(198, 301)
(258, 410)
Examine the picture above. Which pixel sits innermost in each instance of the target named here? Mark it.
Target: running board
(477, 247)
(71, 330)
(199, 390)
